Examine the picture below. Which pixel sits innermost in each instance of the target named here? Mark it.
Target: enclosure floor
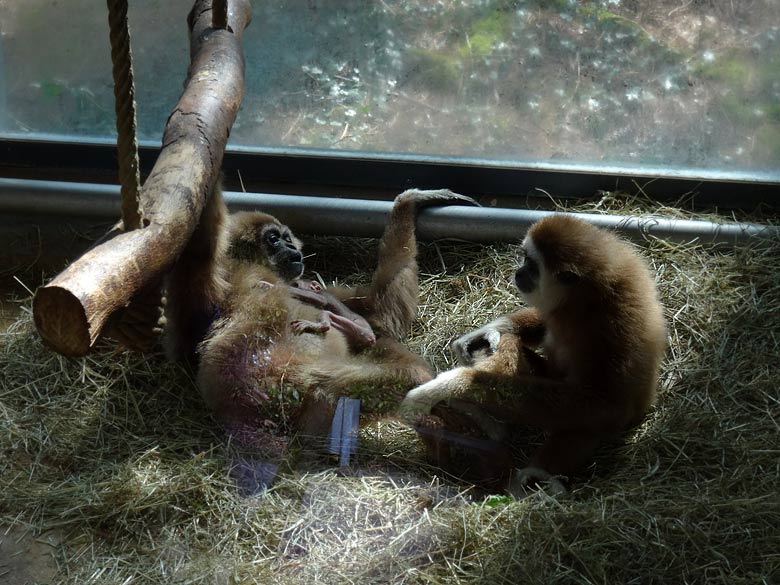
(9, 309)
(26, 559)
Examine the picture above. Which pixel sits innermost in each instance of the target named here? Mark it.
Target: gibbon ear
(567, 277)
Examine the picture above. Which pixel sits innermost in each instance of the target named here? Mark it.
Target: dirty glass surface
(671, 83)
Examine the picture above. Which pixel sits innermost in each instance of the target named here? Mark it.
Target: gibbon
(596, 318)
(274, 353)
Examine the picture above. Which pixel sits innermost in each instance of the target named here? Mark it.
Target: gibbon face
(539, 285)
(259, 237)
(283, 251)
(559, 253)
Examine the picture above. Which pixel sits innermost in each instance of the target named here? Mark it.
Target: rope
(124, 100)
(219, 14)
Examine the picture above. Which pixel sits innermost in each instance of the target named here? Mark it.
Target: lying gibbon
(596, 319)
(274, 353)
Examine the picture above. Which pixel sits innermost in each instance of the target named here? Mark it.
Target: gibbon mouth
(291, 271)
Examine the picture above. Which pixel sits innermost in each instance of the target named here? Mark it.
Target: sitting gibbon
(596, 320)
(275, 353)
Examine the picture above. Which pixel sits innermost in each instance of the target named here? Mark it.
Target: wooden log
(72, 309)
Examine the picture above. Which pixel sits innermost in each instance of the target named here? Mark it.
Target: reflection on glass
(670, 82)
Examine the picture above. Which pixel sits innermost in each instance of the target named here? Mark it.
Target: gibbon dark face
(257, 237)
(282, 250)
(548, 273)
(527, 275)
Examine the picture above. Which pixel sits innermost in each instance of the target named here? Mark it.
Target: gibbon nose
(295, 254)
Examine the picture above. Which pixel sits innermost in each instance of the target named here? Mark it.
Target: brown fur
(604, 338)
(268, 367)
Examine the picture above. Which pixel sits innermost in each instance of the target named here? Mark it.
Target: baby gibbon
(334, 314)
(599, 326)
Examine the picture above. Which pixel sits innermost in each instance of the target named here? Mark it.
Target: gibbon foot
(304, 326)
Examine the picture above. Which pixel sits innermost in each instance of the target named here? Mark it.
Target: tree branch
(72, 309)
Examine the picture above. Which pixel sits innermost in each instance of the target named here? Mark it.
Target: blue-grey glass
(56, 59)
(668, 83)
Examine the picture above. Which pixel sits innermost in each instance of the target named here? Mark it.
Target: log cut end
(61, 321)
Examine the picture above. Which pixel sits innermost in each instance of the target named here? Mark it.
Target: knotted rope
(136, 326)
(124, 101)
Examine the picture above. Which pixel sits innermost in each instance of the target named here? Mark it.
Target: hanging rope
(136, 325)
(124, 100)
(219, 14)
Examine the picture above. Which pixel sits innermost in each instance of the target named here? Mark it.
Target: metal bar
(66, 143)
(367, 218)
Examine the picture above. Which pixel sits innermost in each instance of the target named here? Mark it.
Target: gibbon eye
(531, 265)
(287, 238)
(272, 238)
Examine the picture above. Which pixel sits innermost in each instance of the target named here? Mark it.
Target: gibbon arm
(482, 342)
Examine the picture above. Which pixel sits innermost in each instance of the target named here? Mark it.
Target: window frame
(381, 176)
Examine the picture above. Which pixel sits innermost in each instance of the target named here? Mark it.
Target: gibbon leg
(390, 302)
(551, 405)
(448, 433)
(379, 378)
(541, 402)
(561, 455)
(392, 296)
(575, 421)
(488, 462)
(498, 371)
(382, 374)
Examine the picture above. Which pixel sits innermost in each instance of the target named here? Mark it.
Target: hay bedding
(114, 459)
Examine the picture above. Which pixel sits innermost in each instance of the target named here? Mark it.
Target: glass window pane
(55, 65)
(680, 84)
